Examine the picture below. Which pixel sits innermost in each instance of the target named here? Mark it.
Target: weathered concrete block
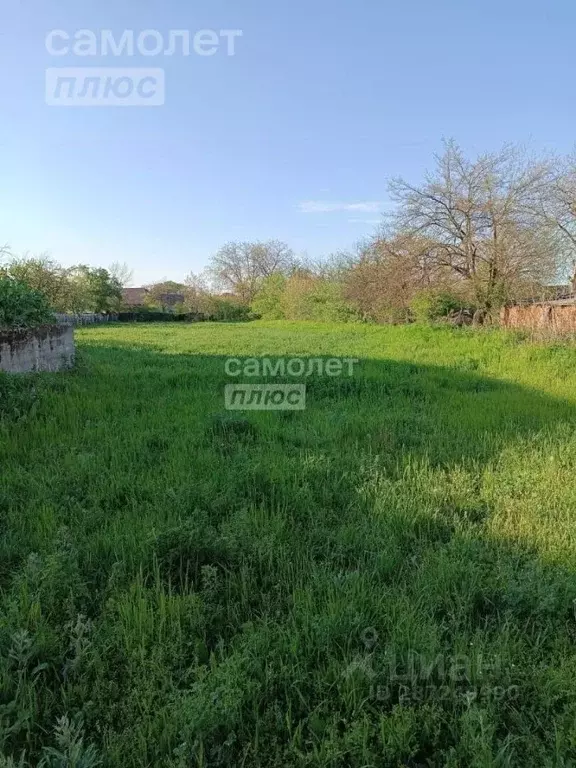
(46, 348)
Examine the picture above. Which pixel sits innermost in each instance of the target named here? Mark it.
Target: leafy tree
(94, 290)
(165, 296)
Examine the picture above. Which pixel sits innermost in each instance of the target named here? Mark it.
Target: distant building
(140, 297)
(170, 300)
(134, 297)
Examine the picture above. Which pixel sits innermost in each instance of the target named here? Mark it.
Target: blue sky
(294, 137)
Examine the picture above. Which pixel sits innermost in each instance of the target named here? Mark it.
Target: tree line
(475, 234)
(74, 289)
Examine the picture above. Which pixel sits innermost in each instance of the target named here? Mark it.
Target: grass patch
(384, 579)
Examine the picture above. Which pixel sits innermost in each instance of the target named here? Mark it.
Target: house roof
(134, 297)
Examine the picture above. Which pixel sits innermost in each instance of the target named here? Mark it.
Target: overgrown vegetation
(429, 306)
(21, 306)
(384, 579)
(74, 289)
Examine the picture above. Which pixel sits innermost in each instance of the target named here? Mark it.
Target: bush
(228, 309)
(268, 301)
(432, 305)
(21, 306)
(310, 298)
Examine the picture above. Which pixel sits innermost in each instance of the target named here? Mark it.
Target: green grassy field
(384, 579)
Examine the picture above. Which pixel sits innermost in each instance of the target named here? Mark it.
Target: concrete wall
(552, 318)
(47, 348)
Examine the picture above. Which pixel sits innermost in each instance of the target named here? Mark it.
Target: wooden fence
(85, 318)
(553, 318)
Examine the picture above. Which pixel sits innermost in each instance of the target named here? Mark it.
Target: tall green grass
(384, 579)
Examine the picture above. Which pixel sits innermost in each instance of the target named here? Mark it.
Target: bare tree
(197, 294)
(479, 220)
(558, 208)
(241, 267)
(387, 275)
(121, 272)
(333, 267)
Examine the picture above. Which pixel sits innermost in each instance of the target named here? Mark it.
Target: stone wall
(47, 348)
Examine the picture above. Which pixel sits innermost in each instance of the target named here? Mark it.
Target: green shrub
(22, 307)
(229, 310)
(431, 305)
(267, 303)
(318, 300)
